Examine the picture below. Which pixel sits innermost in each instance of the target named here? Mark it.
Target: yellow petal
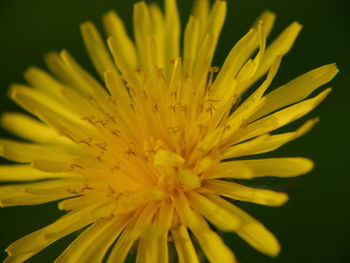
(252, 231)
(27, 152)
(39, 192)
(28, 128)
(145, 251)
(162, 221)
(260, 238)
(207, 33)
(52, 166)
(159, 29)
(167, 158)
(128, 72)
(238, 55)
(278, 167)
(238, 119)
(210, 141)
(233, 169)
(202, 64)
(279, 47)
(246, 194)
(79, 134)
(23, 173)
(296, 90)
(200, 11)
(267, 143)
(175, 78)
(97, 49)
(82, 242)
(165, 217)
(203, 165)
(247, 169)
(42, 80)
(267, 18)
(282, 117)
(152, 250)
(270, 76)
(121, 248)
(214, 247)
(116, 87)
(93, 242)
(33, 101)
(61, 70)
(162, 254)
(213, 213)
(183, 244)
(187, 216)
(216, 18)
(17, 258)
(172, 30)
(189, 179)
(134, 229)
(79, 202)
(251, 66)
(191, 39)
(153, 245)
(82, 79)
(251, 105)
(81, 105)
(40, 239)
(47, 109)
(143, 32)
(115, 28)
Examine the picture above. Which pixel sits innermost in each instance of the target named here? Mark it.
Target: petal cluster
(151, 152)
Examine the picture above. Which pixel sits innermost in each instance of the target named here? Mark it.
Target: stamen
(73, 166)
(102, 146)
(116, 133)
(113, 99)
(99, 156)
(86, 187)
(90, 119)
(115, 167)
(86, 141)
(102, 122)
(130, 152)
(155, 108)
(172, 130)
(132, 108)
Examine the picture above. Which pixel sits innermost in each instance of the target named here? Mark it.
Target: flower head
(151, 152)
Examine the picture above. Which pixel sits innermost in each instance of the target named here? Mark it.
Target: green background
(314, 226)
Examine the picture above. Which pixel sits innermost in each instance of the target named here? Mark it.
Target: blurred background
(314, 226)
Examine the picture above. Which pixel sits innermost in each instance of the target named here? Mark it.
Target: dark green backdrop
(315, 225)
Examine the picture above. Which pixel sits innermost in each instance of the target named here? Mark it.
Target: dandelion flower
(149, 153)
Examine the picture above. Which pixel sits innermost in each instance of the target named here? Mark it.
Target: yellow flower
(148, 154)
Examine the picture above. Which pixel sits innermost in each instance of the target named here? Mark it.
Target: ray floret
(157, 148)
